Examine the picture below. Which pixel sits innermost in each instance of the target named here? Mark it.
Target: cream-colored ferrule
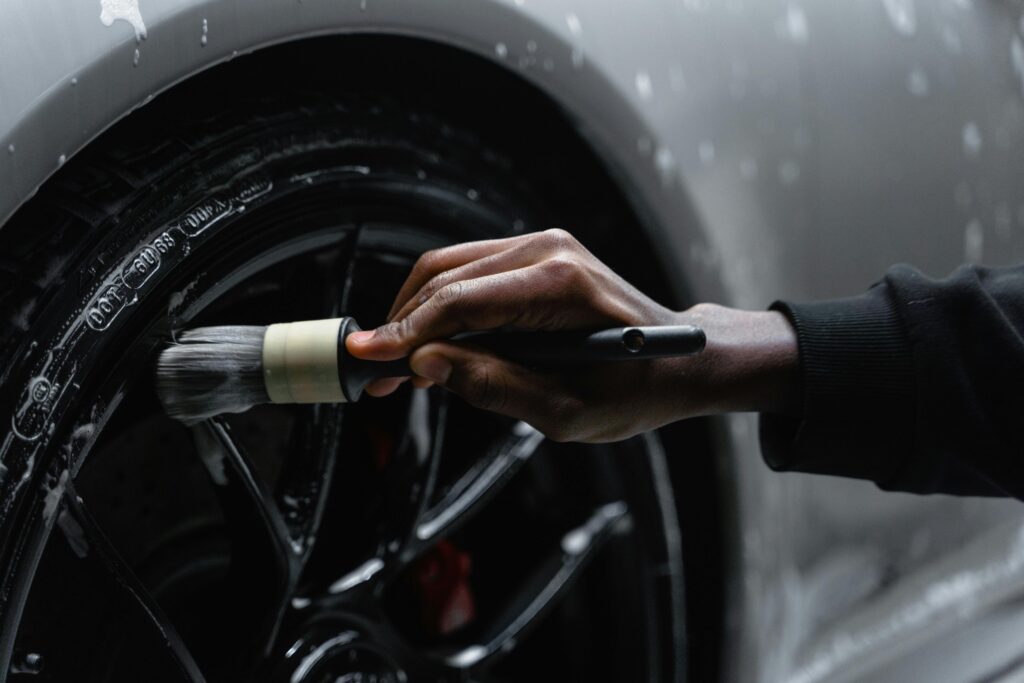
(300, 362)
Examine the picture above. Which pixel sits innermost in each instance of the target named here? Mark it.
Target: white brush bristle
(212, 370)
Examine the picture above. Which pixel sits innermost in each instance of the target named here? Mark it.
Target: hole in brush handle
(554, 350)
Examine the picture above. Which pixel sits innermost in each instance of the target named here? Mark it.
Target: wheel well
(511, 116)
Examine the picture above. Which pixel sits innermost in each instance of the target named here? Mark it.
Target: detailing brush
(214, 370)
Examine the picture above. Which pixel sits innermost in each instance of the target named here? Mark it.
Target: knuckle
(396, 331)
(560, 238)
(427, 264)
(450, 292)
(420, 268)
(447, 297)
(563, 270)
(486, 389)
(434, 284)
(427, 260)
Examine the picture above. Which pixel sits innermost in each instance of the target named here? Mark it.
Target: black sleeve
(917, 385)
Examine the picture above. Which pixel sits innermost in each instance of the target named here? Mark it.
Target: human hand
(546, 281)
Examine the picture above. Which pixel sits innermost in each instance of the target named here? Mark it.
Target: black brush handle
(538, 349)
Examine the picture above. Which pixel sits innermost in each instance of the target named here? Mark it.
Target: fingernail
(434, 367)
(362, 336)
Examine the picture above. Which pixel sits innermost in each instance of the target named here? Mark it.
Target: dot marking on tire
(120, 290)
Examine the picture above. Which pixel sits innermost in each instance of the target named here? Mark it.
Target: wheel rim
(311, 615)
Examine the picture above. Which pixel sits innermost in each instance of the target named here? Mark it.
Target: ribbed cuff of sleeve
(857, 387)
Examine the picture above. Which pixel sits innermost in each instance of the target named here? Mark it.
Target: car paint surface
(777, 149)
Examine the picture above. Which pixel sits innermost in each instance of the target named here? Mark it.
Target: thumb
(486, 381)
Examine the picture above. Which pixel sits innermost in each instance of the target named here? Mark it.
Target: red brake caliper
(442, 581)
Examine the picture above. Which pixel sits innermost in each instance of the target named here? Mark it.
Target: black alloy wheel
(405, 539)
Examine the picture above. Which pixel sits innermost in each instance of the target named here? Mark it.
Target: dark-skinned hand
(549, 281)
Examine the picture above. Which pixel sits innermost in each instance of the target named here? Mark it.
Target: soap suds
(123, 10)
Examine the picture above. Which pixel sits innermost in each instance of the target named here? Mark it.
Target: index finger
(516, 297)
(437, 261)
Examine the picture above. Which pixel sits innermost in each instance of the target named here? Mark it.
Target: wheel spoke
(304, 482)
(542, 590)
(244, 494)
(428, 442)
(409, 480)
(90, 543)
(413, 474)
(480, 484)
(262, 553)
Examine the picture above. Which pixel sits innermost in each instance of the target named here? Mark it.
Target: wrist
(751, 362)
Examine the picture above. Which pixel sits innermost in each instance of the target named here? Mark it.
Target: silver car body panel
(778, 149)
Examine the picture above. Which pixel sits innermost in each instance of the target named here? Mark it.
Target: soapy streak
(123, 10)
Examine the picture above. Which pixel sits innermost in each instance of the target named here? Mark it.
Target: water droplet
(472, 194)
(573, 22)
(74, 81)
(1017, 58)
(643, 85)
(917, 82)
(789, 172)
(577, 58)
(520, 3)
(501, 50)
(362, 5)
(206, 29)
(61, 159)
(531, 46)
(972, 140)
(902, 15)
(135, 57)
(549, 64)
(796, 24)
(30, 663)
(421, 174)
(665, 163)
(974, 242)
(748, 168)
(951, 39)
(10, 148)
(706, 152)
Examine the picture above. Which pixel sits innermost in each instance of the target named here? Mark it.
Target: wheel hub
(349, 656)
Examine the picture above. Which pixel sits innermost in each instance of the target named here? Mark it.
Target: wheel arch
(56, 106)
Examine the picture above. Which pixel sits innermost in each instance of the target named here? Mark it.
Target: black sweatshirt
(917, 385)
